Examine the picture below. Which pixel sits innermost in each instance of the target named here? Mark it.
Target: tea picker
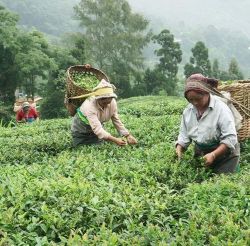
(209, 123)
(92, 108)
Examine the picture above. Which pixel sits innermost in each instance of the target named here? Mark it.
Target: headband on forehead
(211, 82)
(198, 86)
(198, 82)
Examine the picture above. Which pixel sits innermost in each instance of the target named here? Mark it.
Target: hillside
(231, 15)
(223, 26)
(51, 17)
(52, 194)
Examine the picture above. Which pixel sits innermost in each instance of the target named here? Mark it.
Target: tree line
(112, 38)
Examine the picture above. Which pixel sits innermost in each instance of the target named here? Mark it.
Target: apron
(228, 163)
(81, 131)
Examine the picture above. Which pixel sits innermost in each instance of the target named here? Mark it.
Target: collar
(212, 101)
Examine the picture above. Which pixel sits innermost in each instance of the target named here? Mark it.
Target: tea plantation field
(52, 194)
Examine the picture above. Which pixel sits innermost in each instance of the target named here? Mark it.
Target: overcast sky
(231, 14)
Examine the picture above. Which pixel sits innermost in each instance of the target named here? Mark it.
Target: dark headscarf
(199, 83)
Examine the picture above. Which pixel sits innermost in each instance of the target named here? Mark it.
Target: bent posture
(26, 114)
(209, 123)
(88, 122)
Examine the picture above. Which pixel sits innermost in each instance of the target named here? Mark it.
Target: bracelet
(213, 155)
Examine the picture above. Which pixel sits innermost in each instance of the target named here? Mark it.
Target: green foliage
(86, 81)
(33, 60)
(169, 56)
(47, 16)
(6, 114)
(199, 62)
(8, 48)
(78, 50)
(52, 194)
(112, 31)
(234, 71)
(215, 69)
(53, 106)
(54, 91)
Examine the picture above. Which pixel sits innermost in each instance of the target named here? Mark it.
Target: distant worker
(99, 107)
(26, 114)
(33, 103)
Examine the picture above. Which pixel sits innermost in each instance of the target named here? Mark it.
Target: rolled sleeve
(228, 131)
(118, 124)
(183, 138)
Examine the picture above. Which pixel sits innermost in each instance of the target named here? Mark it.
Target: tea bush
(53, 194)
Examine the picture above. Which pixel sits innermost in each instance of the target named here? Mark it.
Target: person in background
(26, 114)
(209, 124)
(99, 107)
(33, 103)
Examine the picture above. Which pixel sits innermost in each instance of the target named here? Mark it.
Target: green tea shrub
(53, 194)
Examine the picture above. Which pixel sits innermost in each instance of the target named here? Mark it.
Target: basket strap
(218, 93)
(98, 92)
(241, 106)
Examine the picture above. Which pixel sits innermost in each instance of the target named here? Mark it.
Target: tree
(154, 81)
(76, 43)
(8, 49)
(54, 91)
(199, 62)
(113, 34)
(32, 60)
(169, 56)
(215, 69)
(234, 71)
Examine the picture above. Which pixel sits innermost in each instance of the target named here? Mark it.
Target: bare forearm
(115, 140)
(221, 150)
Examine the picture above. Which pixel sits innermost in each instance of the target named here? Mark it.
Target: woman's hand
(120, 141)
(131, 139)
(209, 158)
(87, 65)
(179, 151)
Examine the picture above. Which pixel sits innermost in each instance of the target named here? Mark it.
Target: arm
(183, 139)
(35, 114)
(115, 140)
(179, 150)
(19, 117)
(120, 127)
(211, 157)
(228, 137)
(97, 128)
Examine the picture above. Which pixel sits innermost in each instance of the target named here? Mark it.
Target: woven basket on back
(240, 92)
(74, 90)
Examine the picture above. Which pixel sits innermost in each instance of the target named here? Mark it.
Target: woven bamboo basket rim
(236, 84)
(72, 89)
(240, 97)
(99, 74)
(240, 91)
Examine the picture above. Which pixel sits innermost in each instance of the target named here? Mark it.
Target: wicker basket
(240, 92)
(74, 90)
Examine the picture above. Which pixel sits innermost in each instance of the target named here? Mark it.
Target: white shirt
(216, 126)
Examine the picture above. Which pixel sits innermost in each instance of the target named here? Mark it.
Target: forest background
(145, 48)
